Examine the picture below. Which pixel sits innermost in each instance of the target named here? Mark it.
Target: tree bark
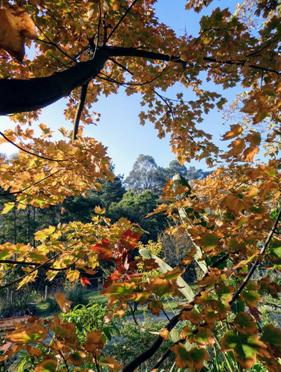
(17, 95)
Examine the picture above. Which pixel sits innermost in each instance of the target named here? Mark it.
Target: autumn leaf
(193, 359)
(15, 26)
(7, 206)
(244, 346)
(245, 323)
(95, 341)
(85, 281)
(63, 303)
(155, 307)
(112, 364)
(235, 130)
(164, 333)
(48, 365)
(209, 240)
(272, 335)
(73, 275)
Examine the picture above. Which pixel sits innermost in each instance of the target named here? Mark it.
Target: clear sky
(119, 127)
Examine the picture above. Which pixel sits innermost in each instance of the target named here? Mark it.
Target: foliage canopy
(85, 49)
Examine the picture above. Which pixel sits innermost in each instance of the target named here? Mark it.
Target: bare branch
(30, 152)
(36, 264)
(259, 259)
(121, 20)
(80, 107)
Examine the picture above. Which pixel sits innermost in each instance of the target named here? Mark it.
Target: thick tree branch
(18, 95)
(132, 52)
(152, 349)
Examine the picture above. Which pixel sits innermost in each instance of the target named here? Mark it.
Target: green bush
(88, 318)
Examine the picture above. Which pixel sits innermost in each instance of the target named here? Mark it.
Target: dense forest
(133, 198)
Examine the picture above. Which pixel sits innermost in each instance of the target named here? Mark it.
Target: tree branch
(152, 349)
(259, 259)
(30, 152)
(121, 20)
(36, 264)
(25, 275)
(18, 95)
(80, 107)
(134, 364)
(133, 52)
(29, 186)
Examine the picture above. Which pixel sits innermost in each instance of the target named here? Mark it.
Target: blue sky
(119, 127)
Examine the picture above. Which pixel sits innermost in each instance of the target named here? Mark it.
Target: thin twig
(30, 152)
(30, 272)
(26, 263)
(166, 315)
(259, 259)
(121, 20)
(54, 45)
(133, 314)
(28, 187)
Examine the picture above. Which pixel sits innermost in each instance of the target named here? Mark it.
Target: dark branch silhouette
(30, 152)
(80, 107)
(18, 95)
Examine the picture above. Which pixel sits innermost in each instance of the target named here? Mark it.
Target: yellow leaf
(42, 235)
(73, 275)
(7, 207)
(99, 210)
(28, 279)
(19, 337)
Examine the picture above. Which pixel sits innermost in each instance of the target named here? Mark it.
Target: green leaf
(277, 251)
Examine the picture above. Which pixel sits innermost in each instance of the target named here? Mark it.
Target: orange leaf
(235, 130)
(48, 365)
(63, 303)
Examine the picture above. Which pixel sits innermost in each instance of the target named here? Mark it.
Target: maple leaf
(244, 346)
(94, 342)
(193, 359)
(15, 26)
